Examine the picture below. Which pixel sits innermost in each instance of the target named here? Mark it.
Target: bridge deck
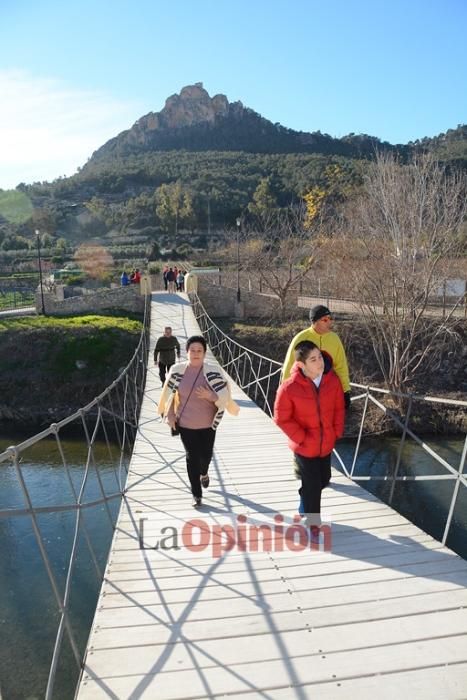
(383, 612)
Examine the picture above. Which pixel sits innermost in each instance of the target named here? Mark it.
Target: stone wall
(125, 298)
(221, 302)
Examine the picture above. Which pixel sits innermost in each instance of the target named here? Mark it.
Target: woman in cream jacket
(194, 397)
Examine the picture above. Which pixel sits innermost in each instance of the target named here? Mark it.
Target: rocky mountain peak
(193, 120)
(192, 106)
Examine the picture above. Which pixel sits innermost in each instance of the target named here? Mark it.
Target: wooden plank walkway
(382, 613)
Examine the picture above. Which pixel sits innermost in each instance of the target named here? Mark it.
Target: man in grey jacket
(164, 352)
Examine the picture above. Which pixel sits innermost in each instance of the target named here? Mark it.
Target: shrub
(73, 280)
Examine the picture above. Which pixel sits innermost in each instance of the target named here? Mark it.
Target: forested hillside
(192, 169)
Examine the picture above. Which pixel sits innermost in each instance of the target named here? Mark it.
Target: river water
(28, 612)
(426, 503)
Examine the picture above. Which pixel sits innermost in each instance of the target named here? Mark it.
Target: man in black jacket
(164, 352)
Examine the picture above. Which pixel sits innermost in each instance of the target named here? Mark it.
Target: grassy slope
(39, 377)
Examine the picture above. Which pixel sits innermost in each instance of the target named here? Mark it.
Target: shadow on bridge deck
(184, 613)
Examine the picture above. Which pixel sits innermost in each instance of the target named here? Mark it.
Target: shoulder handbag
(176, 431)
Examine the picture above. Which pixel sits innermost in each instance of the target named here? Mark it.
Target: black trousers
(199, 446)
(163, 369)
(315, 473)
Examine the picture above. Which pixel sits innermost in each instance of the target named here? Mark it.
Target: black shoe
(197, 501)
(204, 480)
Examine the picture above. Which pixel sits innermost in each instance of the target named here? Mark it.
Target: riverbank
(51, 367)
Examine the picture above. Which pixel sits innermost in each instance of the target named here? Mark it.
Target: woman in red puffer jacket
(309, 408)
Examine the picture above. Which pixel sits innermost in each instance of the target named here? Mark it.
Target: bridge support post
(239, 310)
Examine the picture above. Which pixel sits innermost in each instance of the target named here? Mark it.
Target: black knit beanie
(318, 312)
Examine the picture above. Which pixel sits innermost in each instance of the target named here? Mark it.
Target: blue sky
(74, 74)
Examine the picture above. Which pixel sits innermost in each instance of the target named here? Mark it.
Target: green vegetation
(62, 342)
(13, 300)
(93, 349)
(219, 185)
(448, 146)
(154, 205)
(50, 367)
(97, 323)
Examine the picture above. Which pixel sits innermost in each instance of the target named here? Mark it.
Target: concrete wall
(219, 301)
(125, 298)
(222, 302)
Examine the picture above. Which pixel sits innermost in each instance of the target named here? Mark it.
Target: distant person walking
(309, 408)
(135, 276)
(180, 281)
(164, 276)
(171, 280)
(167, 346)
(320, 332)
(124, 281)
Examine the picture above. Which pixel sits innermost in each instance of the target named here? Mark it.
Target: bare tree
(94, 259)
(406, 230)
(281, 252)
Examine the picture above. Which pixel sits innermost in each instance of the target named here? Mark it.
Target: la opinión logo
(278, 535)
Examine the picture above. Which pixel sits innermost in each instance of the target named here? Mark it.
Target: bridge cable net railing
(400, 469)
(259, 377)
(108, 424)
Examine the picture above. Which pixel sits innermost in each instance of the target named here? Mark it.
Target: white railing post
(399, 451)
(454, 493)
(360, 432)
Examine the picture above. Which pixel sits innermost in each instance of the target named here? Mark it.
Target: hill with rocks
(181, 175)
(194, 121)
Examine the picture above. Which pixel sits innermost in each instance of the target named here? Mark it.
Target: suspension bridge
(229, 600)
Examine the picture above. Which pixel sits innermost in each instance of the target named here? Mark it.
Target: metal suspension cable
(257, 375)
